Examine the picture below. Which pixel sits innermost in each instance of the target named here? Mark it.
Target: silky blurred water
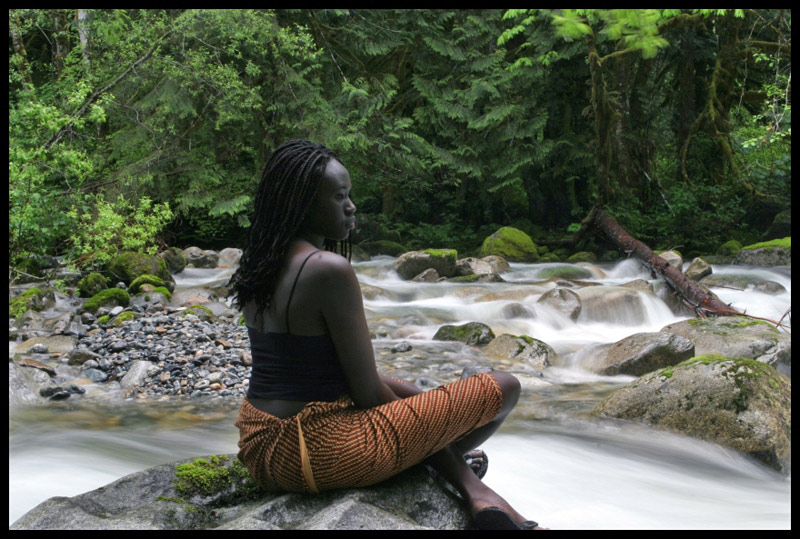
(551, 460)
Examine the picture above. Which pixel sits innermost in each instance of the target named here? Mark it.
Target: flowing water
(551, 459)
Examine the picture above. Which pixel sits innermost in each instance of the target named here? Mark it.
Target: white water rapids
(551, 460)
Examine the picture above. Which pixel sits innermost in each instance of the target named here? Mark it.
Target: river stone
(56, 344)
(674, 259)
(765, 256)
(148, 500)
(470, 333)
(25, 384)
(430, 275)
(698, 269)
(564, 301)
(612, 304)
(641, 353)
(738, 336)
(523, 350)
(192, 296)
(743, 282)
(411, 264)
(199, 258)
(471, 265)
(738, 403)
(498, 263)
(230, 257)
(136, 374)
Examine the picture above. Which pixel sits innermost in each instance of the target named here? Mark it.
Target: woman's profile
(318, 415)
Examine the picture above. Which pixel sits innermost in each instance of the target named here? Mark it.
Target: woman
(318, 415)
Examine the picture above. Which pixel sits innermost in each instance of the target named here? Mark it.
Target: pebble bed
(158, 355)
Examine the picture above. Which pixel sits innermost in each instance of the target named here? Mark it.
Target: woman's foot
(478, 461)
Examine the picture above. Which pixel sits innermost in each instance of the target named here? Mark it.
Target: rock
(738, 403)
(199, 258)
(430, 275)
(517, 310)
(413, 263)
(498, 263)
(135, 376)
(621, 304)
(641, 353)
(673, 258)
(470, 265)
(92, 284)
(151, 499)
(510, 243)
(742, 282)
(771, 253)
(563, 300)
(564, 271)
(738, 336)
(174, 259)
(56, 344)
(25, 384)
(470, 333)
(81, 355)
(698, 269)
(26, 362)
(127, 266)
(192, 296)
(523, 350)
(230, 257)
(111, 297)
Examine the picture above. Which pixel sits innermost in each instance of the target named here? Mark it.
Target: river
(553, 461)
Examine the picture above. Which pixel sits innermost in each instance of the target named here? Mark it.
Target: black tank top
(294, 367)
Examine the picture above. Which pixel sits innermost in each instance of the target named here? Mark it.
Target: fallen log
(702, 302)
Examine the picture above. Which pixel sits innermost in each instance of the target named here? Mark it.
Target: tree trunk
(701, 301)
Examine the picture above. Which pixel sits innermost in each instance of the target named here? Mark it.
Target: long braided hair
(288, 185)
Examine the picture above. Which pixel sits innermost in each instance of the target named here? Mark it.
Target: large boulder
(411, 264)
(563, 300)
(220, 495)
(769, 253)
(127, 266)
(199, 258)
(735, 402)
(512, 244)
(737, 336)
(640, 353)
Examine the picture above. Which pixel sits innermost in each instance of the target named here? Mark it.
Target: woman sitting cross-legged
(318, 415)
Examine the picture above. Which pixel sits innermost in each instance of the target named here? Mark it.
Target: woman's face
(331, 214)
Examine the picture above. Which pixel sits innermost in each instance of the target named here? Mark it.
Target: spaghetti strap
(288, 303)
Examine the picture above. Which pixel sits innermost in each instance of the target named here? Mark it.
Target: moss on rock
(29, 299)
(213, 476)
(127, 266)
(92, 284)
(145, 279)
(784, 243)
(110, 296)
(512, 244)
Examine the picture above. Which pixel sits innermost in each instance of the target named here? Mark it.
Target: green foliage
(117, 226)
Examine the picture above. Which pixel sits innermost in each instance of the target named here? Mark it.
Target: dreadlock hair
(288, 185)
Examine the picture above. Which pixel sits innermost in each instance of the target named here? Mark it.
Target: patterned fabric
(352, 447)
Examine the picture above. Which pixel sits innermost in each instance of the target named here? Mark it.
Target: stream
(552, 460)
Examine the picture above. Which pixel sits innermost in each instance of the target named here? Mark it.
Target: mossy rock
(582, 256)
(735, 402)
(214, 476)
(766, 253)
(565, 272)
(32, 298)
(470, 333)
(512, 244)
(127, 266)
(92, 284)
(124, 316)
(729, 248)
(174, 259)
(411, 264)
(549, 257)
(200, 311)
(149, 279)
(109, 297)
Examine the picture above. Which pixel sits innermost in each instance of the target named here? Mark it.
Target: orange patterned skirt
(347, 446)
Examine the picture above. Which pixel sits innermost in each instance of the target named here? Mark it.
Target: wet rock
(411, 264)
(471, 333)
(738, 336)
(698, 269)
(738, 403)
(563, 300)
(150, 499)
(522, 351)
(641, 353)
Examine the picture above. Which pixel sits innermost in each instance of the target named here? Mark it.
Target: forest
(143, 129)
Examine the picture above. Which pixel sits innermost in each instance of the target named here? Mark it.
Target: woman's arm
(343, 312)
